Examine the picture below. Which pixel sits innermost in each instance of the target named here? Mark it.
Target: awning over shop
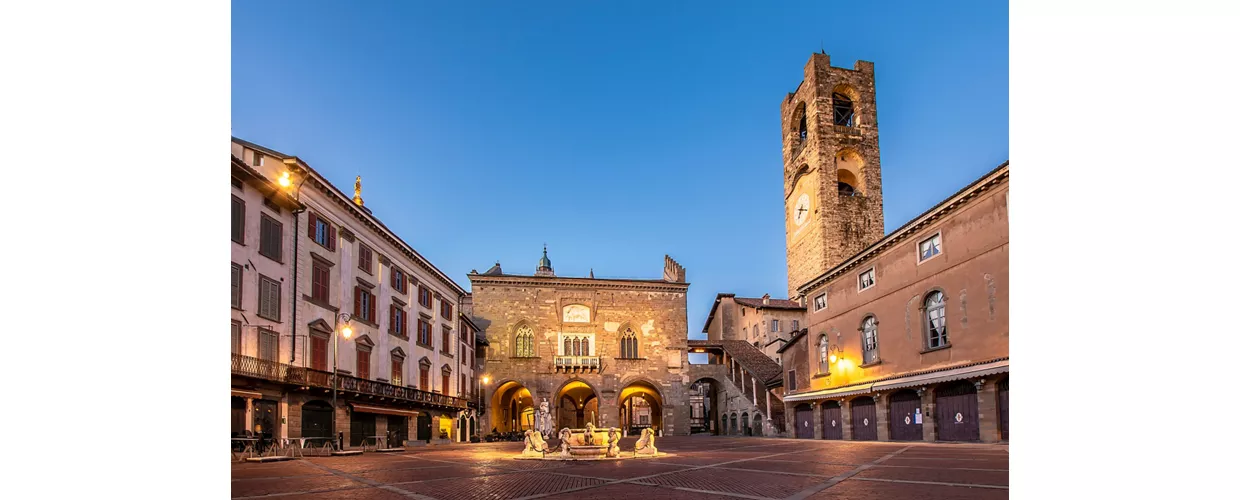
(247, 394)
(911, 380)
(932, 378)
(383, 411)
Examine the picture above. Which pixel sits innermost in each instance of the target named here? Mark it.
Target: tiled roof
(750, 358)
(775, 303)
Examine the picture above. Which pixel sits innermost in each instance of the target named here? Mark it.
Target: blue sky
(614, 132)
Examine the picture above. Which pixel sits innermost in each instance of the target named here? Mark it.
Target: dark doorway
(745, 425)
(805, 422)
(905, 416)
(361, 426)
(238, 415)
(832, 423)
(735, 428)
(316, 419)
(864, 419)
(424, 427)
(266, 416)
(1003, 409)
(398, 430)
(955, 414)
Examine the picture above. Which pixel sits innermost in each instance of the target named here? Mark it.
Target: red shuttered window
(318, 352)
(363, 363)
(320, 279)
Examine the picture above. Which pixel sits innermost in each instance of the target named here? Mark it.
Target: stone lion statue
(645, 445)
(565, 436)
(613, 442)
(535, 446)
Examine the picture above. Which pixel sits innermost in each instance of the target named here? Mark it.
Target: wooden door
(805, 422)
(266, 417)
(905, 416)
(1003, 409)
(316, 419)
(398, 430)
(956, 411)
(832, 423)
(424, 427)
(864, 419)
(361, 426)
(238, 415)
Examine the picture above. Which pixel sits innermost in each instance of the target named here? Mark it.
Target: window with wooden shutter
(424, 296)
(364, 258)
(424, 377)
(320, 282)
(398, 370)
(460, 389)
(268, 345)
(236, 337)
(238, 220)
(236, 285)
(447, 376)
(268, 298)
(447, 339)
(363, 363)
(318, 352)
(271, 238)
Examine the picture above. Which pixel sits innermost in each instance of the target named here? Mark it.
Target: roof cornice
(367, 219)
(951, 204)
(569, 282)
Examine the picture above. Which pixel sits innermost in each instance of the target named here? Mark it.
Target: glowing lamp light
(486, 380)
(285, 181)
(834, 358)
(346, 332)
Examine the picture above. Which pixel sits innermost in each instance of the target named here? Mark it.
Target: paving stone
(937, 475)
(257, 487)
(500, 487)
(852, 489)
(733, 481)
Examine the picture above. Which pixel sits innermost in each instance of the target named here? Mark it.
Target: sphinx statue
(613, 442)
(645, 444)
(565, 436)
(535, 446)
(589, 436)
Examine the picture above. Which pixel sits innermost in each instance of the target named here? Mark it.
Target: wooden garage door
(864, 419)
(832, 424)
(805, 422)
(956, 411)
(905, 416)
(1003, 408)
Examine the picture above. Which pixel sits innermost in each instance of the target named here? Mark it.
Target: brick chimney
(766, 299)
(672, 270)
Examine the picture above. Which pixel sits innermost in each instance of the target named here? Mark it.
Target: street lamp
(345, 331)
(285, 181)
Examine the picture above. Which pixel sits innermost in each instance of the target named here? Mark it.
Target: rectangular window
(268, 345)
(270, 238)
(364, 304)
(796, 325)
(930, 247)
(236, 337)
(865, 279)
(398, 280)
(820, 302)
(424, 296)
(446, 378)
(320, 282)
(424, 378)
(236, 285)
(774, 326)
(363, 363)
(447, 339)
(398, 370)
(318, 352)
(398, 320)
(270, 203)
(445, 309)
(257, 159)
(364, 258)
(268, 298)
(461, 388)
(238, 220)
(792, 380)
(424, 332)
(237, 183)
(322, 232)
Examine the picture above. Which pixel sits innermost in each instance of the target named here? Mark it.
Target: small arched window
(869, 340)
(823, 363)
(628, 344)
(576, 346)
(843, 107)
(525, 342)
(936, 320)
(568, 346)
(585, 346)
(802, 129)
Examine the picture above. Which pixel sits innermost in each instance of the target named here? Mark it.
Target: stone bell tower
(833, 191)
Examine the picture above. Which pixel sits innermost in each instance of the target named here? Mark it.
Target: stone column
(846, 419)
(881, 411)
(817, 408)
(249, 414)
(411, 430)
(987, 411)
(342, 423)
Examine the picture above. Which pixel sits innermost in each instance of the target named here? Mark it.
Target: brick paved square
(695, 468)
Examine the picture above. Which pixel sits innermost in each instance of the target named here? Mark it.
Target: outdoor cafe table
(302, 441)
(248, 444)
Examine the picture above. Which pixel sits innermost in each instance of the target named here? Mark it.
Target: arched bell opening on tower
(842, 105)
(849, 172)
(800, 127)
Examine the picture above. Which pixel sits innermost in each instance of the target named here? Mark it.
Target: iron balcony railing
(577, 363)
(296, 375)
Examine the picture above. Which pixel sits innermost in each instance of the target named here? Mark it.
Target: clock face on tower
(800, 211)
